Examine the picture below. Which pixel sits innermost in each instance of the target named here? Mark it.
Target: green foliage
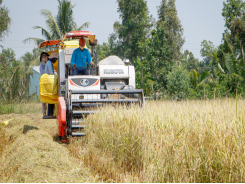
(10, 76)
(4, 21)
(29, 60)
(15, 75)
(65, 18)
(188, 61)
(233, 82)
(143, 77)
(207, 48)
(107, 49)
(154, 48)
(157, 56)
(168, 19)
(178, 83)
(20, 107)
(230, 61)
(194, 77)
(219, 74)
(133, 28)
(231, 10)
(210, 90)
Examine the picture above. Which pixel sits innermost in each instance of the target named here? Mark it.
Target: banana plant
(194, 76)
(197, 78)
(241, 54)
(231, 61)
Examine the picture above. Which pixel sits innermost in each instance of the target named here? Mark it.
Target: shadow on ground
(28, 127)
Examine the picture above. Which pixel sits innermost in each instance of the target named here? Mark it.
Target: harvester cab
(109, 81)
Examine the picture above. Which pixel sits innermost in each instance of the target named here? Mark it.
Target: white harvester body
(112, 74)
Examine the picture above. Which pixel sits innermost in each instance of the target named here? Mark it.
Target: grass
(165, 141)
(20, 108)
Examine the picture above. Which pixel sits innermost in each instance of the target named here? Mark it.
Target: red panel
(78, 34)
(48, 42)
(61, 117)
(62, 109)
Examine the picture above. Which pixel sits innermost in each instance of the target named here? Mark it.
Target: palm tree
(59, 26)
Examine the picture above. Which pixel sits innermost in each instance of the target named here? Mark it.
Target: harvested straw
(34, 155)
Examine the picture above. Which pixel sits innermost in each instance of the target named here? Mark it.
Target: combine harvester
(109, 81)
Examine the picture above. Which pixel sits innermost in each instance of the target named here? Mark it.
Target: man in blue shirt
(80, 58)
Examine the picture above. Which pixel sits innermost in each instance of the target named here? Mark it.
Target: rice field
(165, 141)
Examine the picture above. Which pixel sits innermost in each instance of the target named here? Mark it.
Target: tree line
(154, 47)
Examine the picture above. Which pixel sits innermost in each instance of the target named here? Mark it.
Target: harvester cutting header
(81, 88)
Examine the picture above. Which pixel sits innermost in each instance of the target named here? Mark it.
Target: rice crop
(166, 141)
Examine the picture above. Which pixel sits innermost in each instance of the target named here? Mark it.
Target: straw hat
(53, 55)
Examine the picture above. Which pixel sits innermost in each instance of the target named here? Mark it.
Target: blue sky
(201, 20)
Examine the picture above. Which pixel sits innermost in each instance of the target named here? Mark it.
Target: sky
(201, 20)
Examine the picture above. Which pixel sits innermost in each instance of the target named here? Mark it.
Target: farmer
(43, 60)
(80, 58)
(49, 69)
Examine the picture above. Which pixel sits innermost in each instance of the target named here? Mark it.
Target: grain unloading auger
(109, 82)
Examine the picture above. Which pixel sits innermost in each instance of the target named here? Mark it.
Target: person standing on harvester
(43, 59)
(49, 69)
(80, 58)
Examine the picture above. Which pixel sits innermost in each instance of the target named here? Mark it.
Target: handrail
(133, 91)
